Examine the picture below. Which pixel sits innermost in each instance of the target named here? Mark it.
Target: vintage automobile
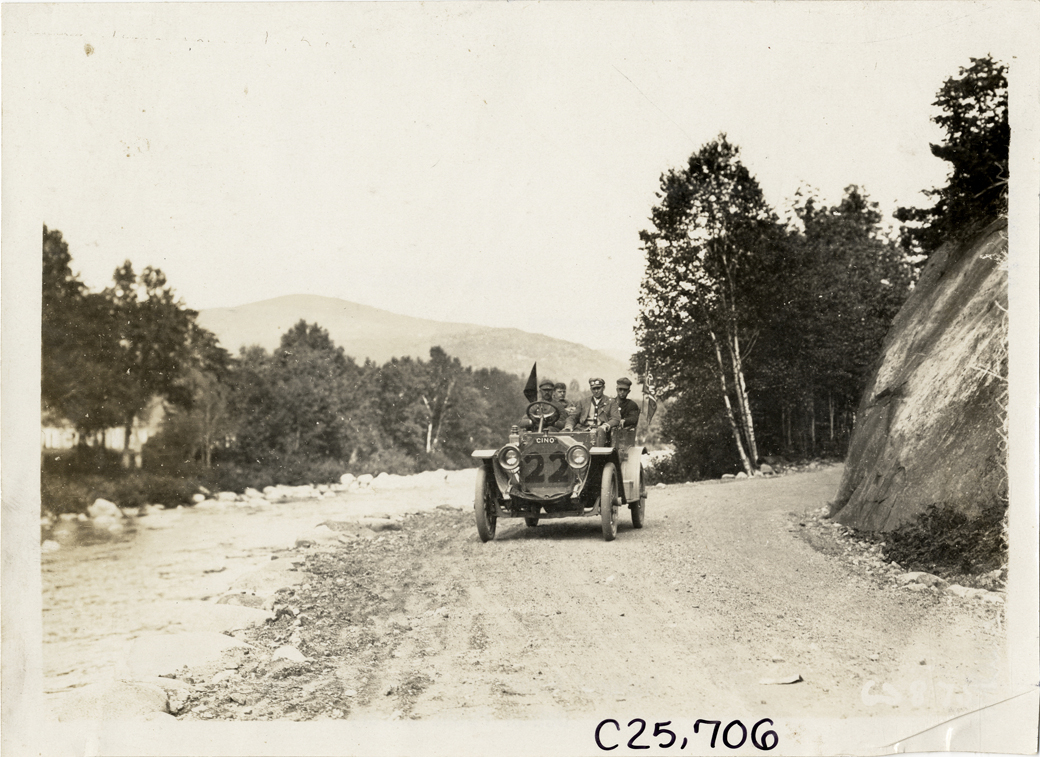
(544, 473)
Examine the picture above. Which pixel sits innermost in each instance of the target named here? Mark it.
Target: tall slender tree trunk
(830, 409)
(429, 423)
(444, 408)
(812, 423)
(729, 408)
(742, 398)
(127, 459)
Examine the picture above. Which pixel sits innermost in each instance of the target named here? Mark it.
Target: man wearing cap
(597, 412)
(546, 389)
(627, 409)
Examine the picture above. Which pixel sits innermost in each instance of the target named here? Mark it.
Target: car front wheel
(484, 507)
(638, 508)
(608, 502)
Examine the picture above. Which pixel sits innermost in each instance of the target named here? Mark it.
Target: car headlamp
(577, 456)
(509, 458)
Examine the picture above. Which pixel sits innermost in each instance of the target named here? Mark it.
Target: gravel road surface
(730, 589)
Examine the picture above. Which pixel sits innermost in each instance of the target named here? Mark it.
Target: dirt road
(720, 593)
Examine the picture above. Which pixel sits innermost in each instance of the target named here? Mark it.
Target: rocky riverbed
(115, 580)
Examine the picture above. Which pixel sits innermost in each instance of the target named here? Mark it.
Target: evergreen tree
(974, 116)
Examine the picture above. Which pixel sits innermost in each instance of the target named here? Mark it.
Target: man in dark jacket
(598, 412)
(627, 409)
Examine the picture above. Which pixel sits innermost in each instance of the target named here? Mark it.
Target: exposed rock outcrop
(928, 427)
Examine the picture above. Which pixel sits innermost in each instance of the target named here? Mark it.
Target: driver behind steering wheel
(546, 390)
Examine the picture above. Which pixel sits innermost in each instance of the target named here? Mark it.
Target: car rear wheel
(484, 507)
(638, 508)
(531, 522)
(608, 502)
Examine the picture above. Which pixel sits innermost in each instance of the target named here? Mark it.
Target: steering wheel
(543, 412)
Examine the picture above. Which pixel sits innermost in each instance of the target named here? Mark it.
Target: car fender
(600, 457)
(630, 473)
(488, 458)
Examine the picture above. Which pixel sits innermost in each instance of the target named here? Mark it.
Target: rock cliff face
(928, 426)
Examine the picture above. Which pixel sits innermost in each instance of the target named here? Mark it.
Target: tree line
(760, 334)
(305, 410)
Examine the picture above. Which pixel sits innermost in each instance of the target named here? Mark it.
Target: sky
(488, 163)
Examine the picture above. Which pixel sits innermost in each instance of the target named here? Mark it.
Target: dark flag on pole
(531, 390)
(651, 400)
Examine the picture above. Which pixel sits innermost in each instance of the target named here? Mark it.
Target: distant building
(61, 436)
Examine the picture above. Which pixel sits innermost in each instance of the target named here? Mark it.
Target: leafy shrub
(81, 460)
(946, 542)
(65, 493)
(685, 465)
(271, 470)
(392, 461)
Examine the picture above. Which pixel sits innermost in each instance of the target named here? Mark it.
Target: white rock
(365, 479)
(165, 654)
(223, 675)
(318, 535)
(102, 508)
(728, 475)
(378, 524)
(251, 493)
(346, 479)
(288, 653)
(741, 474)
(177, 692)
(108, 523)
(926, 579)
(198, 497)
(266, 581)
(659, 486)
(227, 497)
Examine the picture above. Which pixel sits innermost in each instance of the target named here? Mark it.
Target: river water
(102, 589)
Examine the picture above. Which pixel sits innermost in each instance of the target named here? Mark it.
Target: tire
(608, 502)
(484, 508)
(639, 508)
(531, 522)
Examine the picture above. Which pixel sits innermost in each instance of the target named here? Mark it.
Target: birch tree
(697, 293)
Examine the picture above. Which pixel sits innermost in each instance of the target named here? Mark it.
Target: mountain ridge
(366, 332)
